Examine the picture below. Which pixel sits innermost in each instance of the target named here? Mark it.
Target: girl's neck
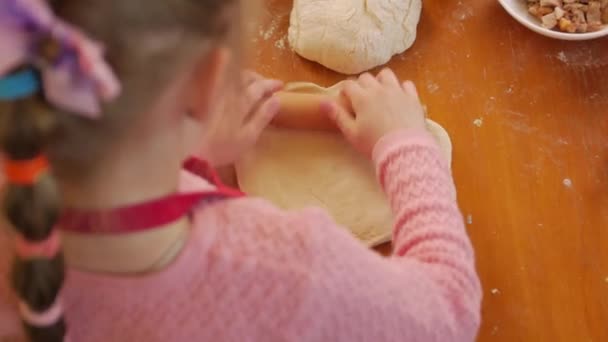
(138, 169)
(132, 254)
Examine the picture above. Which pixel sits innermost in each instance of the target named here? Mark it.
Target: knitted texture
(251, 272)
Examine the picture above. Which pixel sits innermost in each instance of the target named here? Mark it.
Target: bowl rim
(536, 27)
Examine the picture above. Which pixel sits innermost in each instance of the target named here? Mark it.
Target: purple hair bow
(79, 79)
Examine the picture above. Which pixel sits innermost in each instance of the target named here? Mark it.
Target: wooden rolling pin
(300, 107)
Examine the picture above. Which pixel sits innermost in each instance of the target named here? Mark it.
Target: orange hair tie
(25, 172)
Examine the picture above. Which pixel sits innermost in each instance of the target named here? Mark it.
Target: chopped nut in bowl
(572, 16)
(561, 19)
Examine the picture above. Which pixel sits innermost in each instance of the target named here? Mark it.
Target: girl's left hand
(241, 119)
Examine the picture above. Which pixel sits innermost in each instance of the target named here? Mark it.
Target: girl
(154, 249)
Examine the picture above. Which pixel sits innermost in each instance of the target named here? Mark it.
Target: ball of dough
(352, 36)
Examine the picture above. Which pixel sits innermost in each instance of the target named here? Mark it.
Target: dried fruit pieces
(572, 16)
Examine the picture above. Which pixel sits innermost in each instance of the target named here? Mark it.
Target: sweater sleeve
(429, 230)
(428, 290)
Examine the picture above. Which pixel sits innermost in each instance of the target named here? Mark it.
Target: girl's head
(170, 57)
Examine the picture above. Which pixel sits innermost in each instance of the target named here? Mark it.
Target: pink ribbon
(79, 80)
(46, 249)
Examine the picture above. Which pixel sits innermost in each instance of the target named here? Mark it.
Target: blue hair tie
(19, 85)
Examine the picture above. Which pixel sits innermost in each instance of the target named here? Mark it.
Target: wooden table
(529, 120)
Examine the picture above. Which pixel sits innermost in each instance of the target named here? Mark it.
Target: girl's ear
(207, 82)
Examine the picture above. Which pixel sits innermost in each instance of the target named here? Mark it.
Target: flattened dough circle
(297, 168)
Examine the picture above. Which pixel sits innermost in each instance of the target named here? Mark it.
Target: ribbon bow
(76, 79)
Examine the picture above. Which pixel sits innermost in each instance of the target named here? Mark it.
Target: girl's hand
(241, 119)
(381, 105)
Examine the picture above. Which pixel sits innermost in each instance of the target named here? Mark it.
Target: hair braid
(33, 210)
(27, 126)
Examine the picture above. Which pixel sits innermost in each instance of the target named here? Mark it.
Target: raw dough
(352, 36)
(296, 168)
(306, 98)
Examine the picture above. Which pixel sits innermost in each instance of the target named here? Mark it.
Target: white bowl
(518, 10)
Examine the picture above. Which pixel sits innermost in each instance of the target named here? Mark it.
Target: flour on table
(267, 32)
(352, 36)
(280, 43)
(432, 87)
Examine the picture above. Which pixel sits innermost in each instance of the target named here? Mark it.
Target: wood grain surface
(529, 120)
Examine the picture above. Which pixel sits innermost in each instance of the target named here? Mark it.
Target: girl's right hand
(381, 106)
(240, 120)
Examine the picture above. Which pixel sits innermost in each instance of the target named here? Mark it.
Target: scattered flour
(495, 291)
(267, 33)
(432, 87)
(469, 219)
(463, 12)
(586, 56)
(478, 122)
(281, 43)
(567, 182)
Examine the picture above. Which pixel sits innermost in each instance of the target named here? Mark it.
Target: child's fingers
(388, 77)
(410, 88)
(259, 90)
(367, 80)
(354, 93)
(262, 88)
(264, 114)
(352, 90)
(250, 77)
(342, 118)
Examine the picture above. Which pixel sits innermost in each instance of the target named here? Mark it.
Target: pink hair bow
(78, 80)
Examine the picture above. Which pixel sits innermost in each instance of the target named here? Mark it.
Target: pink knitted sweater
(251, 272)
